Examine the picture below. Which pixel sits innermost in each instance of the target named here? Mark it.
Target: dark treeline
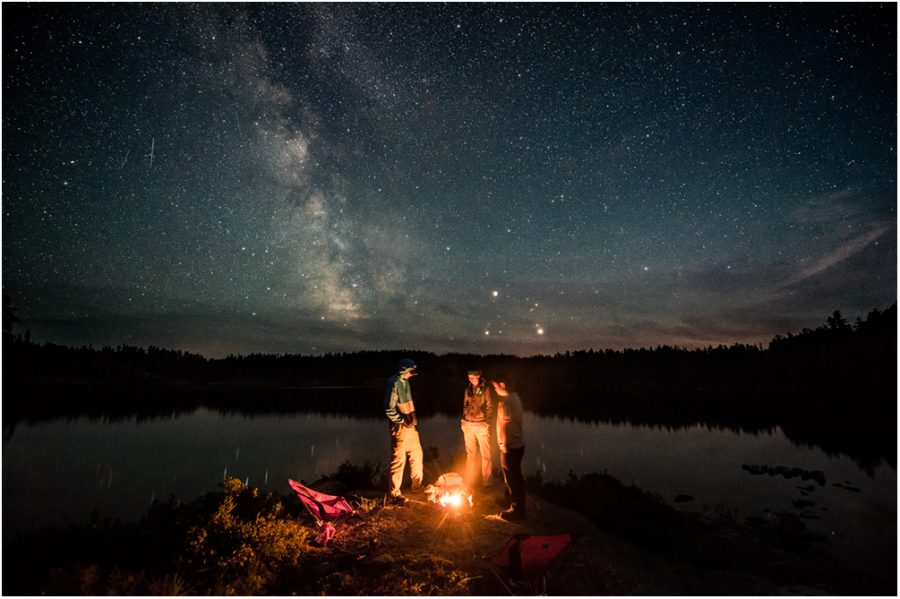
(833, 386)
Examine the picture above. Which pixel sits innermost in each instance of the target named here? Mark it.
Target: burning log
(449, 491)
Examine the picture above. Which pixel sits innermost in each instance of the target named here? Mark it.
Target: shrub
(246, 541)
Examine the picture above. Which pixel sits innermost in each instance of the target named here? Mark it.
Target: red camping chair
(323, 508)
(527, 557)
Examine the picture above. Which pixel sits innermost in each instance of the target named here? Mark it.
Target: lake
(73, 471)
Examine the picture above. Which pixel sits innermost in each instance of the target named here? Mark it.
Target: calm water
(63, 471)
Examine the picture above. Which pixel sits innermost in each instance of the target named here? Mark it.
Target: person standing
(478, 406)
(401, 412)
(511, 440)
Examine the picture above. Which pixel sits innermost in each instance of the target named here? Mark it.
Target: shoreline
(655, 548)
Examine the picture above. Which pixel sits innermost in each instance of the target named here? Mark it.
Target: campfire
(449, 491)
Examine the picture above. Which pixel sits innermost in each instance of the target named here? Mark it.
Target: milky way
(490, 178)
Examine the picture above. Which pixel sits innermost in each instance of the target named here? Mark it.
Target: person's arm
(414, 421)
(503, 419)
(489, 406)
(408, 413)
(390, 404)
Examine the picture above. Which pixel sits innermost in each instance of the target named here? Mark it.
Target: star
(372, 168)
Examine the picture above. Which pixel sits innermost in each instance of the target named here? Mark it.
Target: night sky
(467, 177)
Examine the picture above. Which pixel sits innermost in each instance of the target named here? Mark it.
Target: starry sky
(517, 178)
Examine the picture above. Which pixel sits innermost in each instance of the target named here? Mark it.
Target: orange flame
(449, 491)
(455, 500)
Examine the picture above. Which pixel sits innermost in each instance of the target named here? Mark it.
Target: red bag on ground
(527, 557)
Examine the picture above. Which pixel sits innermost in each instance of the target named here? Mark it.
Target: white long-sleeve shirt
(510, 431)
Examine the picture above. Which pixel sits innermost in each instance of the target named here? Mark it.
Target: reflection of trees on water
(833, 387)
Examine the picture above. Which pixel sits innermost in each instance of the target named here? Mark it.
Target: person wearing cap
(478, 406)
(511, 440)
(401, 412)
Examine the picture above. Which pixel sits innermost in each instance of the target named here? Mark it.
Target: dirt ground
(420, 548)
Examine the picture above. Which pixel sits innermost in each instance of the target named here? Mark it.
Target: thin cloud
(829, 208)
(844, 251)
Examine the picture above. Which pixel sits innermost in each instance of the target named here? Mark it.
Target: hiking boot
(513, 515)
(398, 500)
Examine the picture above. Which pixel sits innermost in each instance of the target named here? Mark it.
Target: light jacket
(510, 430)
(398, 399)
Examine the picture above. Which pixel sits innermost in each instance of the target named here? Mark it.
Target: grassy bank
(239, 541)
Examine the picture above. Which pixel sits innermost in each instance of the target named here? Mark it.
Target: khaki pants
(405, 443)
(477, 436)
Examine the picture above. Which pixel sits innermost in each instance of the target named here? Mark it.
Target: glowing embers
(454, 499)
(449, 491)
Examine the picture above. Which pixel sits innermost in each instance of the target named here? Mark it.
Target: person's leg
(516, 481)
(484, 446)
(414, 449)
(398, 459)
(504, 467)
(471, 454)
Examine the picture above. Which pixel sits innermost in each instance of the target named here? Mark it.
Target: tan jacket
(478, 403)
